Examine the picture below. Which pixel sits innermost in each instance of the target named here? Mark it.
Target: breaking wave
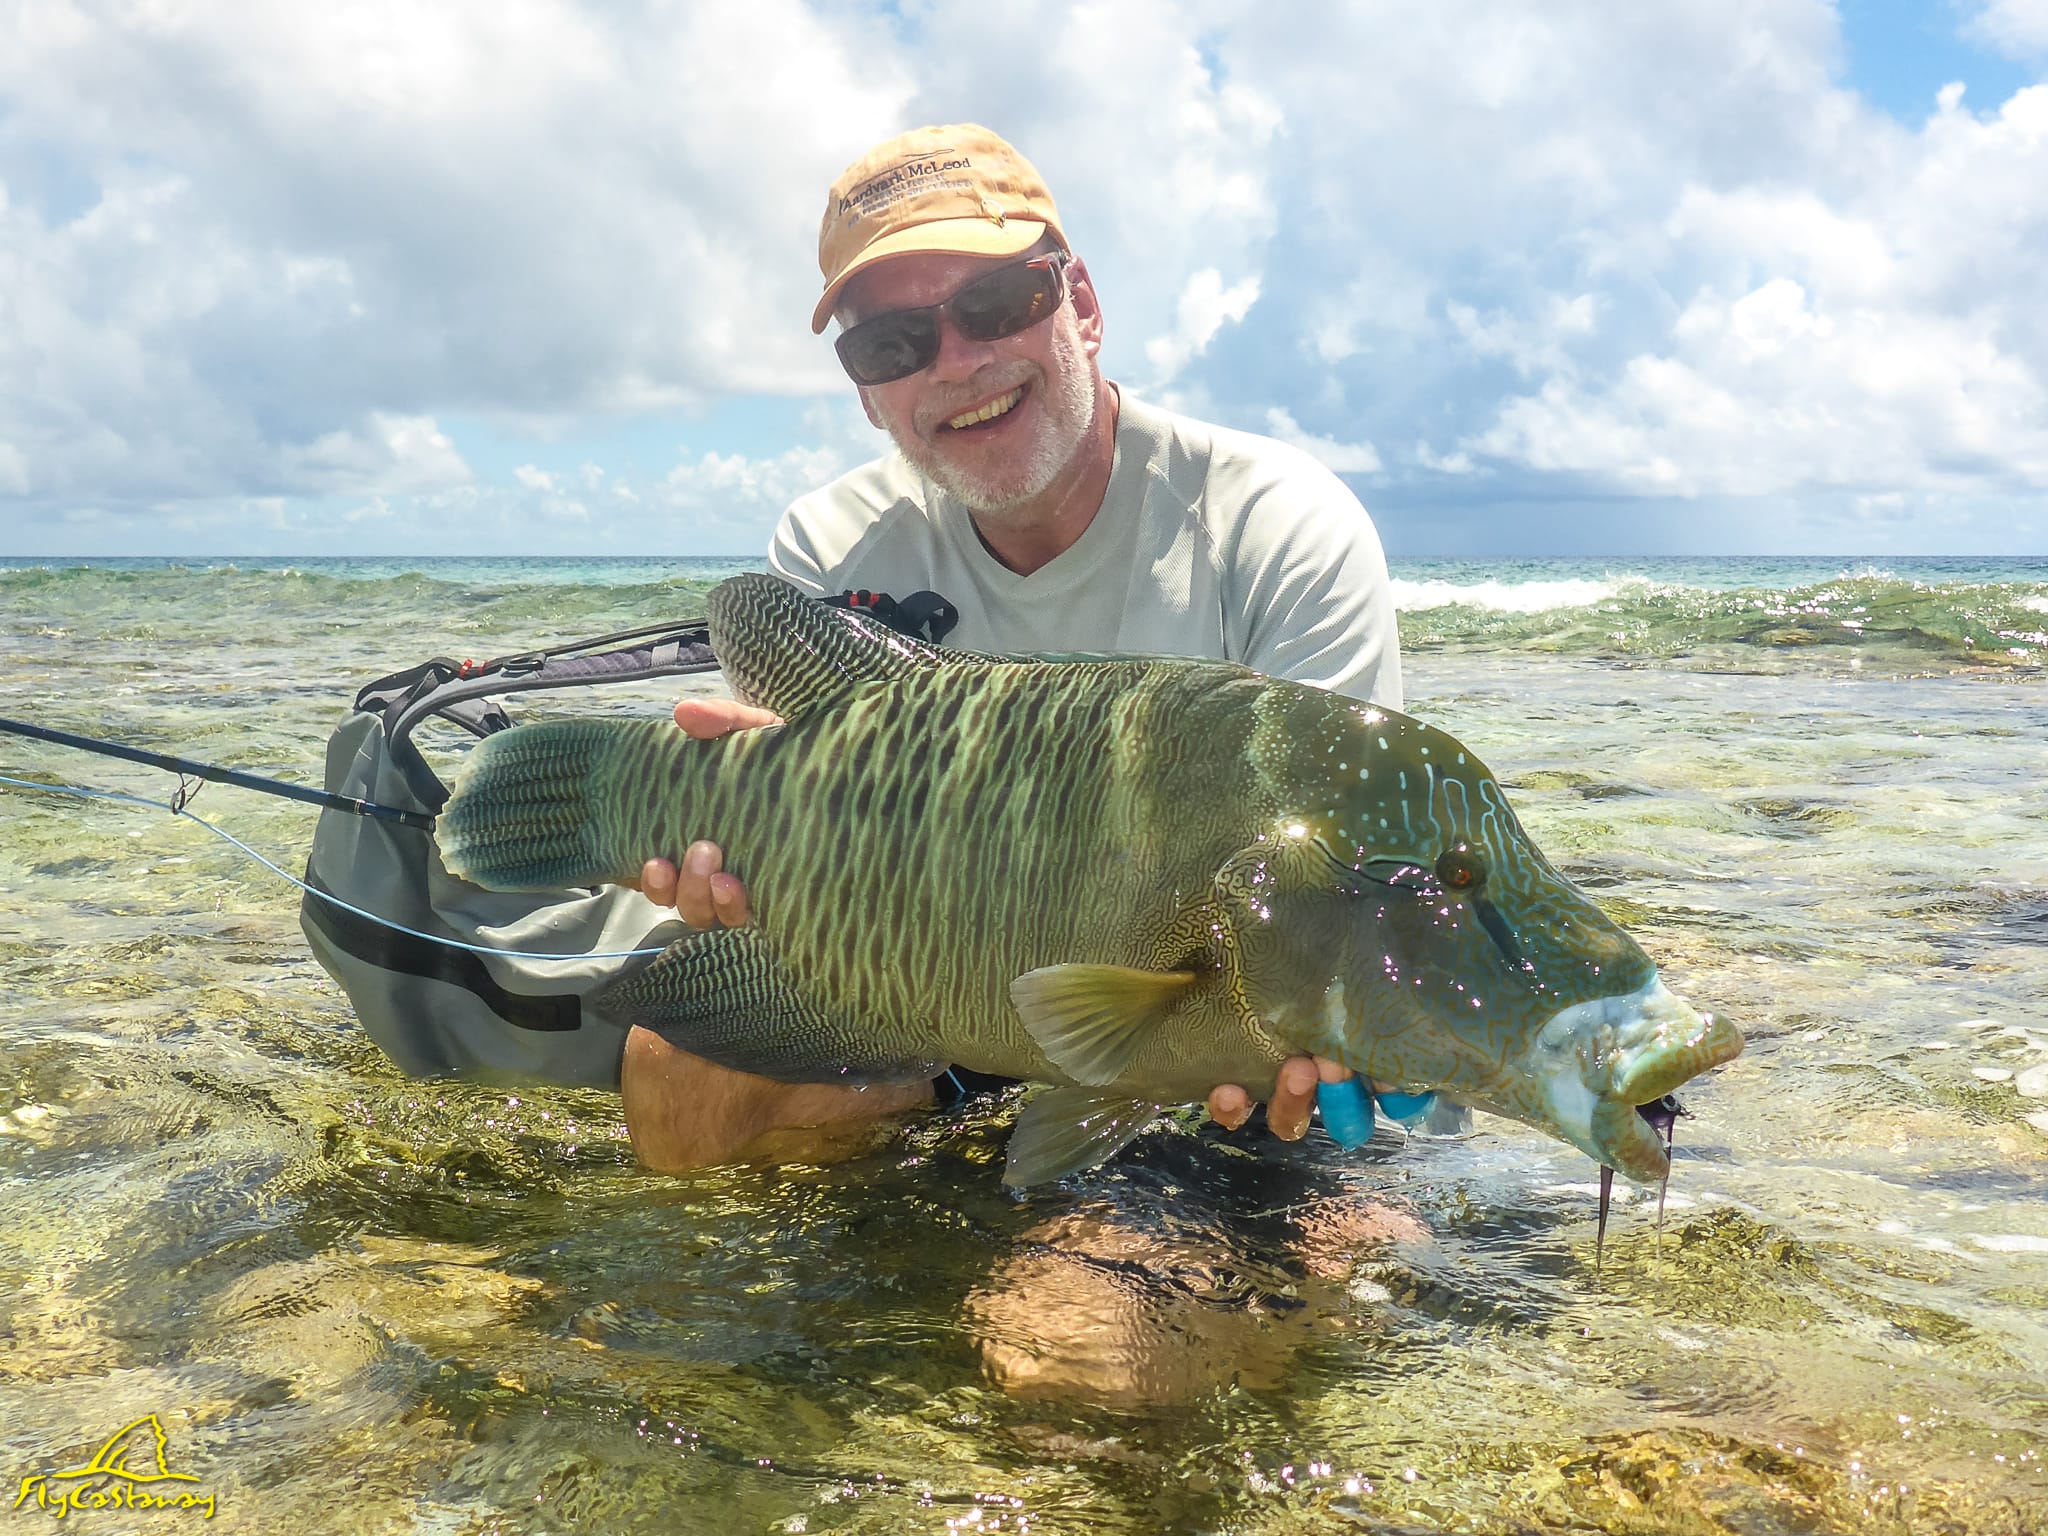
(1901, 615)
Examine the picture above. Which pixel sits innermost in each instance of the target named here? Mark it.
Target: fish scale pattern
(912, 845)
(1201, 869)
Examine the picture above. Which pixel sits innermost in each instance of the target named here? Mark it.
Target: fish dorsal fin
(783, 650)
(1064, 1130)
(1090, 1019)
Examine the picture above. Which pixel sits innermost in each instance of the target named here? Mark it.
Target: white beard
(1067, 395)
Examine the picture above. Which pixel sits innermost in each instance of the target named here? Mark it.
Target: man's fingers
(708, 719)
(729, 900)
(658, 882)
(701, 860)
(1294, 1093)
(702, 894)
(1230, 1106)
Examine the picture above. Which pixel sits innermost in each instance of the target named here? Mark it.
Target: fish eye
(1461, 870)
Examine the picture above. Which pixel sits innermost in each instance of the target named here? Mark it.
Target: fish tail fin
(541, 806)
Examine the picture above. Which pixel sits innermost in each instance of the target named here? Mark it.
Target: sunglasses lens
(1006, 302)
(896, 345)
(889, 347)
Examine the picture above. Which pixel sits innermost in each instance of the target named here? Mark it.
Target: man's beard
(1066, 395)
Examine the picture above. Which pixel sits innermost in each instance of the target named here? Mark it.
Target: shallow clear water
(359, 1303)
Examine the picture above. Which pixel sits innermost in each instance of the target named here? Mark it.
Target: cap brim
(944, 237)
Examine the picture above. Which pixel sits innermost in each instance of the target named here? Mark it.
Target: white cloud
(732, 488)
(1206, 306)
(264, 258)
(392, 454)
(1533, 344)
(280, 220)
(1887, 335)
(1443, 463)
(1345, 458)
(2015, 27)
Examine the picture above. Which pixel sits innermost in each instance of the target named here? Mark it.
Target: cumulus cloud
(733, 488)
(234, 229)
(1206, 306)
(1345, 458)
(2015, 27)
(388, 454)
(267, 260)
(1840, 341)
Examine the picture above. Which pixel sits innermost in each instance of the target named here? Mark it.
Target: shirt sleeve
(793, 556)
(1306, 588)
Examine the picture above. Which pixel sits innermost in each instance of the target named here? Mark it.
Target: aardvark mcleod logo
(131, 1471)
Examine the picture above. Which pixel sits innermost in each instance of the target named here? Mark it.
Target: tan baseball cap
(960, 190)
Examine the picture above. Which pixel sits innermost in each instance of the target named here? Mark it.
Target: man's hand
(703, 895)
(1294, 1095)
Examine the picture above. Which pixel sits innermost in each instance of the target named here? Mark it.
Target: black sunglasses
(1011, 299)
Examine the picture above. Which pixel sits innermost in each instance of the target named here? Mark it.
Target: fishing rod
(186, 766)
(218, 775)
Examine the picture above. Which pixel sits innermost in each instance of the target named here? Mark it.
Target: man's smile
(1002, 405)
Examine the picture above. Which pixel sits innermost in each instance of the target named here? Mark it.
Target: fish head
(1399, 919)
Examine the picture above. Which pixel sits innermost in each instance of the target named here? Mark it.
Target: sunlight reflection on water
(360, 1303)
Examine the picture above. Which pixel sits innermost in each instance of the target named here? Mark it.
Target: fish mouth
(1597, 1063)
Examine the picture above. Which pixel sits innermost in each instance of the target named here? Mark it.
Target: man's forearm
(685, 1112)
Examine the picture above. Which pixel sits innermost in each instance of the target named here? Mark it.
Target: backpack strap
(465, 693)
(922, 615)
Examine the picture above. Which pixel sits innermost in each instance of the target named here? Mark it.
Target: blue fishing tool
(1408, 1108)
(1346, 1109)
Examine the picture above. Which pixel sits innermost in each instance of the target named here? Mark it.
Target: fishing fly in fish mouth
(1457, 957)
(1131, 878)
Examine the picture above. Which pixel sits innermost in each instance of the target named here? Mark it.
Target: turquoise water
(1812, 788)
(631, 570)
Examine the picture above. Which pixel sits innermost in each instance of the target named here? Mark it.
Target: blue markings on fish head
(1399, 919)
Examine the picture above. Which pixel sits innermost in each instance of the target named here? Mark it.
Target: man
(1054, 511)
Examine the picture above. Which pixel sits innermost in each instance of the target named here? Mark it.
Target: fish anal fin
(1090, 1019)
(1064, 1130)
(725, 995)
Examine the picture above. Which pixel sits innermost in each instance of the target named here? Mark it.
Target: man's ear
(867, 403)
(1087, 308)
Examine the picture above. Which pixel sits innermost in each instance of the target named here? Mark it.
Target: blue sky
(530, 276)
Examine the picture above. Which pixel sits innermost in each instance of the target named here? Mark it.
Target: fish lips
(1596, 1061)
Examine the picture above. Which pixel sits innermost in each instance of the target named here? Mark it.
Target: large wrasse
(1133, 878)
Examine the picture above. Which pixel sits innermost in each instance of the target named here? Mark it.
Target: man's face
(1041, 385)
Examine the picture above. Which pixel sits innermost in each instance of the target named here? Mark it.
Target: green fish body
(1134, 878)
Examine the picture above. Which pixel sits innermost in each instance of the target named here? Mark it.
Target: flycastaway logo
(110, 1480)
(907, 180)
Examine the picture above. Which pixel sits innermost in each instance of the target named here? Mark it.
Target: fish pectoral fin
(1090, 1019)
(1064, 1130)
(726, 996)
